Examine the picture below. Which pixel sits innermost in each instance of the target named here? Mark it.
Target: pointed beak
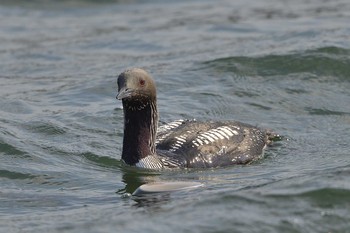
(124, 93)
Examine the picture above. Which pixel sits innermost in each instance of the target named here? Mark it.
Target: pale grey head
(136, 84)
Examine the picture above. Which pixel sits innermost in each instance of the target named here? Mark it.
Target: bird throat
(140, 128)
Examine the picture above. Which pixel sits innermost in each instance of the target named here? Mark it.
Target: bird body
(182, 143)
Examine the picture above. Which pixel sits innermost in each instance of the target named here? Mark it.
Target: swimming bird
(182, 143)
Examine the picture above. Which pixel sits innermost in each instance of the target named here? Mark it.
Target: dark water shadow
(134, 177)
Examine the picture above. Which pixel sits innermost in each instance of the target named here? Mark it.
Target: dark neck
(140, 128)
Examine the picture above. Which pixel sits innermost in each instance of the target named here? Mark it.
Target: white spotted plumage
(170, 125)
(165, 130)
(213, 135)
(217, 133)
(150, 162)
(180, 140)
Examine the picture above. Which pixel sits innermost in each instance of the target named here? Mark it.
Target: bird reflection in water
(134, 178)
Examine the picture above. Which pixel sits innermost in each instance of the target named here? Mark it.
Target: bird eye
(142, 82)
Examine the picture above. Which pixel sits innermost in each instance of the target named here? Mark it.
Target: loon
(182, 143)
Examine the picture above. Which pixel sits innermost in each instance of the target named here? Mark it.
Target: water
(283, 65)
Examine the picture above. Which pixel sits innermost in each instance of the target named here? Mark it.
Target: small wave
(319, 111)
(325, 61)
(102, 161)
(10, 150)
(324, 195)
(47, 128)
(15, 175)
